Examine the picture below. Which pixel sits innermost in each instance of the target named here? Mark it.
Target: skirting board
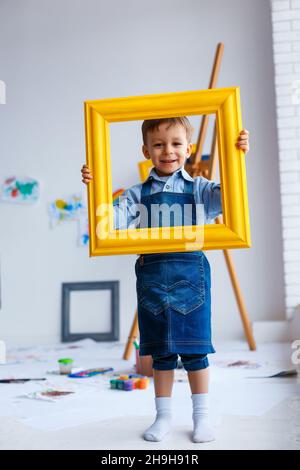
(272, 331)
(278, 331)
(2, 352)
(295, 324)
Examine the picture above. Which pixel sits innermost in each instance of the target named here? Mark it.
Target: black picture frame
(68, 288)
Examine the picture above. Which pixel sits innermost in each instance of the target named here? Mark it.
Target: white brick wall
(286, 50)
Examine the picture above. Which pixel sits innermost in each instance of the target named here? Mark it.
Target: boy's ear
(189, 150)
(145, 152)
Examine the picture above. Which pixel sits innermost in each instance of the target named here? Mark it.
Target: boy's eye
(175, 143)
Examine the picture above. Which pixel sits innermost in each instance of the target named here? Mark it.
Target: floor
(248, 409)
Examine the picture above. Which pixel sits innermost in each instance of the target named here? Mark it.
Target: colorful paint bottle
(128, 385)
(120, 384)
(113, 383)
(65, 366)
(143, 383)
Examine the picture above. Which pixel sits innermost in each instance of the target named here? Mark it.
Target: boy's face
(167, 147)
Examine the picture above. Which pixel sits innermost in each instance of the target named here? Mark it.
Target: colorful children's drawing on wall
(83, 222)
(117, 193)
(83, 229)
(74, 208)
(62, 210)
(20, 190)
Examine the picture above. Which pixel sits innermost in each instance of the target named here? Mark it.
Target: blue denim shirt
(206, 192)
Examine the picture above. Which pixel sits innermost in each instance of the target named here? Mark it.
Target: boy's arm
(209, 195)
(210, 192)
(125, 209)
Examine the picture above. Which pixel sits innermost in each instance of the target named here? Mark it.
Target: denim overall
(173, 293)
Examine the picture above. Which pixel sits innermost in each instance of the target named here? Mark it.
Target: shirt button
(168, 187)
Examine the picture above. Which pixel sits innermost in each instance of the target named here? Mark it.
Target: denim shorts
(190, 361)
(174, 303)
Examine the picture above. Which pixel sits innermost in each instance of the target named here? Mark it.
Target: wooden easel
(207, 168)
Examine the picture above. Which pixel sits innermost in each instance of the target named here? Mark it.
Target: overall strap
(146, 188)
(188, 186)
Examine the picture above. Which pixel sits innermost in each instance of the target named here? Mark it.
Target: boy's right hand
(86, 174)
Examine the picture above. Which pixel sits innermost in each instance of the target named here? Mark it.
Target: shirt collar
(181, 172)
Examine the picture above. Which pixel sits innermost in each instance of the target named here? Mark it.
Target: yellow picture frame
(234, 232)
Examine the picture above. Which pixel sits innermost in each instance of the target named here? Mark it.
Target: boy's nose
(168, 149)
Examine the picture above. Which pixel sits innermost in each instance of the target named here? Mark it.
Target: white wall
(57, 53)
(286, 37)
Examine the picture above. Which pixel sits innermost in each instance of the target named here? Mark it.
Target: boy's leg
(163, 382)
(199, 380)
(198, 374)
(163, 374)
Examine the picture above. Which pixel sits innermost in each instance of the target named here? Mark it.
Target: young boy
(173, 289)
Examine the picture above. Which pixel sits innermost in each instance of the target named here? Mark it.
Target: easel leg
(131, 338)
(240, 301)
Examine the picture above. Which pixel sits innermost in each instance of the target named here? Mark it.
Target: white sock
(203, 432)
(162, 423)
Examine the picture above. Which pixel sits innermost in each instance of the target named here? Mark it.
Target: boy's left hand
(243, 141)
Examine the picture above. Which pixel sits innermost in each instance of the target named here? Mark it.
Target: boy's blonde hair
(151, 124)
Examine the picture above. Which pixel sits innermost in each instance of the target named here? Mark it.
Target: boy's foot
(162, 424)
(203, 431)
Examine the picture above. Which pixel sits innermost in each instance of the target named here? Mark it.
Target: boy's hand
(243, 141)
(86, 174)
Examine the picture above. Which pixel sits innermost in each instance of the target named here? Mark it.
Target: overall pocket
(176, 283)
(186, 296)
(153, 297)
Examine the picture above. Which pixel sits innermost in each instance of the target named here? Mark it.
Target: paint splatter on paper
(50, 394)
(244, 364)
(23, 190)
